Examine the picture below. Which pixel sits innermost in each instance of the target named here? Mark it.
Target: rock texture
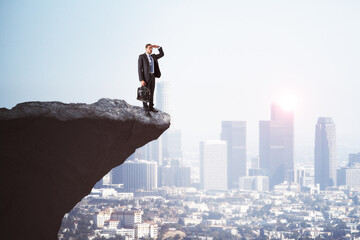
(52, 154)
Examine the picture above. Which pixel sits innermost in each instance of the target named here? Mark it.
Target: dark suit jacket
(144, 65)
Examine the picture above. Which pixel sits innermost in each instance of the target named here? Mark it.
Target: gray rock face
(52, 154)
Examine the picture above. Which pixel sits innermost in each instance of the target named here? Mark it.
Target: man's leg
(152, 89)
(146, 107)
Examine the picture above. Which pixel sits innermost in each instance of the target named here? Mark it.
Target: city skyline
(276, 160)
(253, 90)
(279, 110)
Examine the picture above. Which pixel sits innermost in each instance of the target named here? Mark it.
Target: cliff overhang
(52, 154)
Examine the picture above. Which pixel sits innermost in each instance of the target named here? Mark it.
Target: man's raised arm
(161, 52)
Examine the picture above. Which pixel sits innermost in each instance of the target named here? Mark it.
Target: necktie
(151, 64)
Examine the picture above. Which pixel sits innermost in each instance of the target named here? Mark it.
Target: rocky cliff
(52, 154)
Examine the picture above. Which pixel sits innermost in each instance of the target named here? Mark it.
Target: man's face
(149, 49)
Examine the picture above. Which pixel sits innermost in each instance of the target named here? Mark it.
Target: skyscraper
(286, 119)
(234, 133)
(139, 174)
(169, 144)
(117, 172)
(154, 150)
(213, 165)
(159, 149)
(349, 176)
(173, 173)
(163, 96)
(325, 153)
(276, 145)
(172, 144)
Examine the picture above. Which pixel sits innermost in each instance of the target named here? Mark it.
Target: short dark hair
(147, 45)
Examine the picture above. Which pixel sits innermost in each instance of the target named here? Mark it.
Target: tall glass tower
(276, 145)
(154, 150)
(325, 153)
(213, 165)
(163, 101)
(234, 133)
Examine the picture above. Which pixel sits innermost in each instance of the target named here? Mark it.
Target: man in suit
(148, 68)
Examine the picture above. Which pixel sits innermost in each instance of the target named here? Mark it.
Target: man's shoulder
(142, 55)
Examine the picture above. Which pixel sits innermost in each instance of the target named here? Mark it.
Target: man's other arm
(141, 69)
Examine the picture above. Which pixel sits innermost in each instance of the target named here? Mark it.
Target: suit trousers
(150, 85)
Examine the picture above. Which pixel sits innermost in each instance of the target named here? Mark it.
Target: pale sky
(226, 60)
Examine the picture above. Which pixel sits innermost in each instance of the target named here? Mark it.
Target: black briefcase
(143, 94)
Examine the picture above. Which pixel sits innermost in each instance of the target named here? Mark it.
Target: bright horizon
(225, 60)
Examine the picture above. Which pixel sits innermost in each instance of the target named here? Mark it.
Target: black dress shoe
(153, 110)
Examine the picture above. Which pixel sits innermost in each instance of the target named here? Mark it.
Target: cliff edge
(52, 154)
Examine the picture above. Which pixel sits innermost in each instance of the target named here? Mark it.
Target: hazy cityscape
(264, 136)
(219, 192)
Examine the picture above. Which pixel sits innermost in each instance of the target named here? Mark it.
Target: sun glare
(288, 102)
